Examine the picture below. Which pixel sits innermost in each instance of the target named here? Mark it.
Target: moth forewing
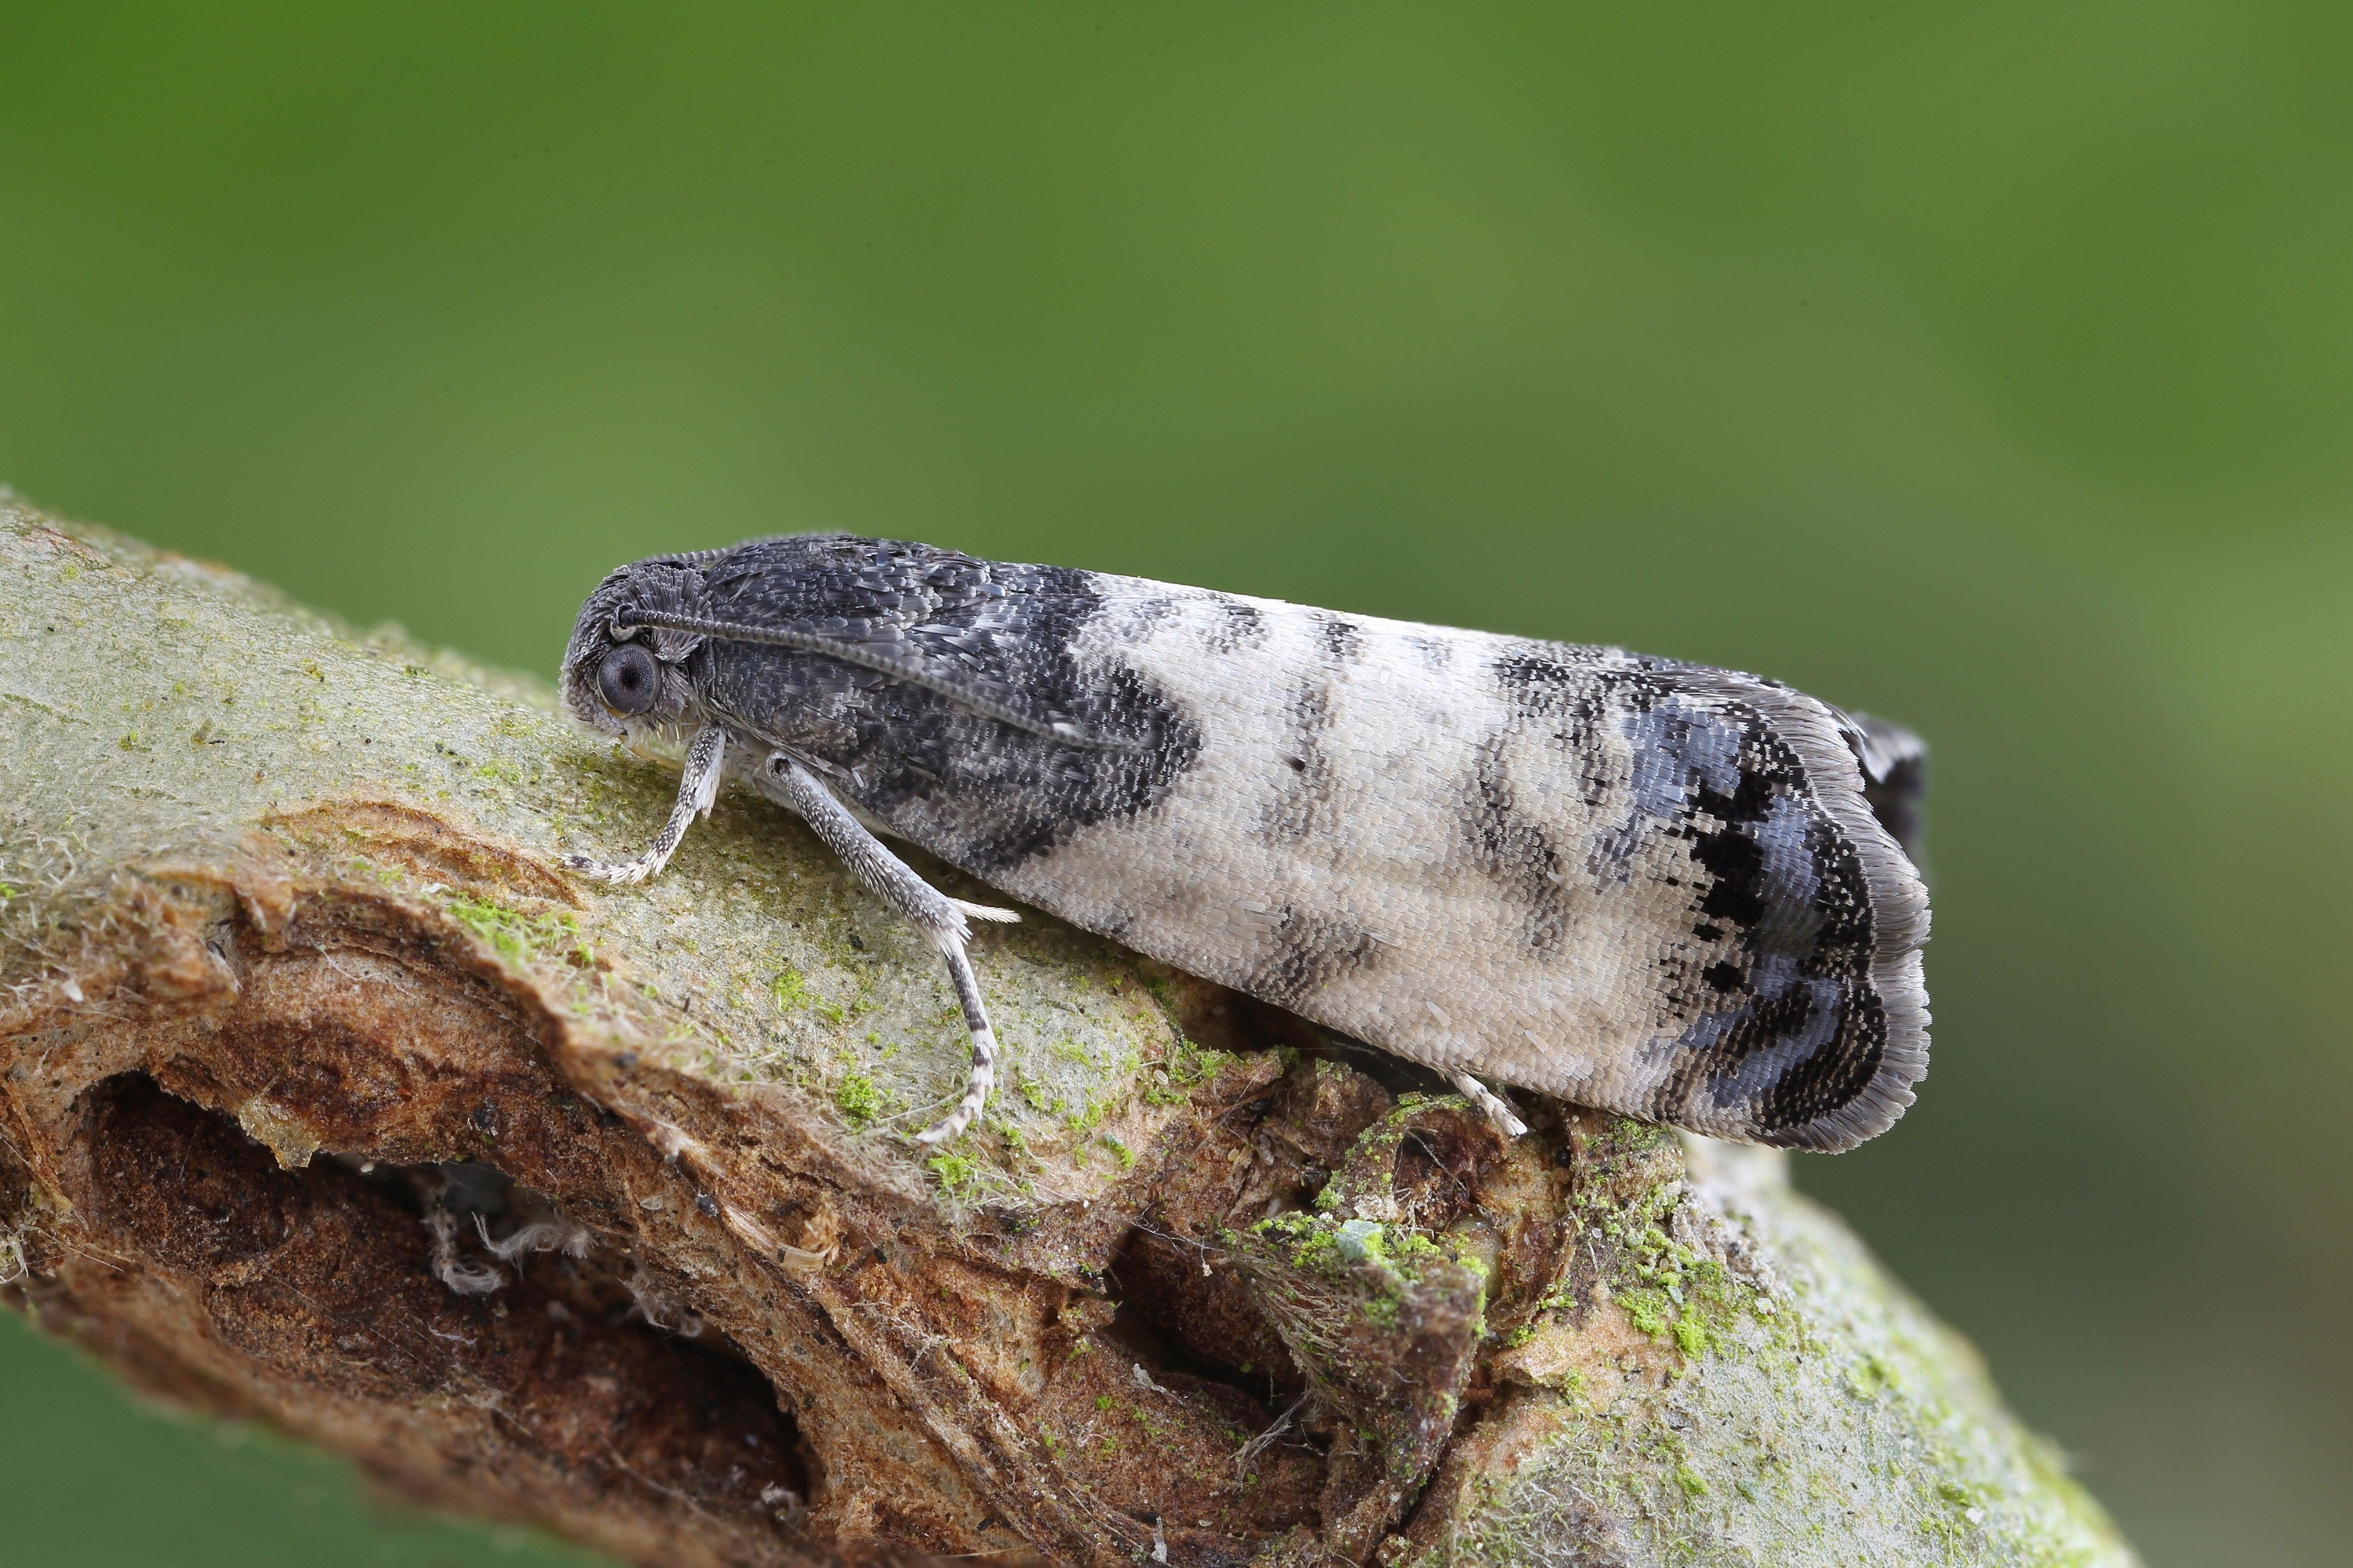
(1654, 888)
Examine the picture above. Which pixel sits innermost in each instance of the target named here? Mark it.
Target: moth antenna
(908, 670)
(1811, 1027)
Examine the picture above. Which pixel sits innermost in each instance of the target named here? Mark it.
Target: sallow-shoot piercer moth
(1681, 893)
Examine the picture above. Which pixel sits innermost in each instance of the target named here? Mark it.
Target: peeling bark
(327, 1100)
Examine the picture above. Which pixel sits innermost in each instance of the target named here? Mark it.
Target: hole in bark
(487, 1232)
(1198, 1326)
(331, 1285)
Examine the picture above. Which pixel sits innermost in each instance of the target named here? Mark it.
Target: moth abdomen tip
(1686, 878)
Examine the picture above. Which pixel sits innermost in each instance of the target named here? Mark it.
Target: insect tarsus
(943, 921)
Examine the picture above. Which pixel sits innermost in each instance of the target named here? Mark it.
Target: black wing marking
(982, 793)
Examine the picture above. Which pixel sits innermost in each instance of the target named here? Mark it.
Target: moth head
(628, 680)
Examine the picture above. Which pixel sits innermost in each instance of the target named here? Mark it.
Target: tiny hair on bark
(331, 1098)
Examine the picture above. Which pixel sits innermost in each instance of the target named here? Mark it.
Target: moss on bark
(326, 1099)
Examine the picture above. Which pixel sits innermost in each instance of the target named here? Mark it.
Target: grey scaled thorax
(1681, 893)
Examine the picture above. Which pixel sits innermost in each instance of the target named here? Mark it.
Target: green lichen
(1800, 1466)
(1306, 1244)
(857, 1098)
(956, 1171)
(1359, 1239)
(1186, 1068)
(1383, 1320)
(1648, 1312)
(1832, 1422)
(517, 938)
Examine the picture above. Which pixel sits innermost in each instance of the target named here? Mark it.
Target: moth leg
(940, 918)
(696, 791)
(1488, 1101)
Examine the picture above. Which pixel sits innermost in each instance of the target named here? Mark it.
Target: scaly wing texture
(1645, 886)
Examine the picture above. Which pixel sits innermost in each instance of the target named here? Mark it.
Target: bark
(330, 1101)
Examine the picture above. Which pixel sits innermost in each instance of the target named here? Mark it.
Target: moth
(1655, 887)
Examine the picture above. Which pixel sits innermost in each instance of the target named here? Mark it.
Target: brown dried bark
(302, 1016)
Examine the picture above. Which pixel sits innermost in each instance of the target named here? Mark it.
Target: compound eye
(627, 679)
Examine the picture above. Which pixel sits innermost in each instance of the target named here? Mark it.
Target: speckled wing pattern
(1650, 887)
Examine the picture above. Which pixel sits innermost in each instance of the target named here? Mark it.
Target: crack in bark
(248, 1045)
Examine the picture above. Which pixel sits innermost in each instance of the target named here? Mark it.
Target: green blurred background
(1990, 367)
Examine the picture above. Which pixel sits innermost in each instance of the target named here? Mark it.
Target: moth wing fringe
(1899, 909)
